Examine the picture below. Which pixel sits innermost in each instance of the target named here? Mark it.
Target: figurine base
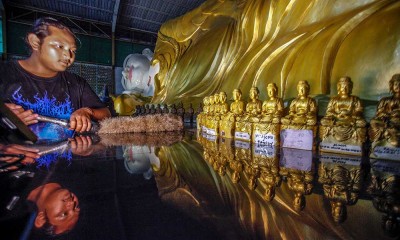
(227, 129)
(243, 131)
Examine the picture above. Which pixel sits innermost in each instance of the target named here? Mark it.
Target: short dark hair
(41, 29)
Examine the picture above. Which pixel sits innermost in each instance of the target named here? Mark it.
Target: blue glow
(48, 159)
(47, 106)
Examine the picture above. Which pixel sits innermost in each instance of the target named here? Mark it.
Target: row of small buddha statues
(262, 168)
(187, 115)
(343, 122)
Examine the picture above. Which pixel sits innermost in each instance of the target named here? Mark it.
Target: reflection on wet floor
(183, 186)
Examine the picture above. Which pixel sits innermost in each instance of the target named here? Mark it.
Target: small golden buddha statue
(237, 168)
(386, 123)
(223, 105)
(272, 109)
(227, 123)
(343, 120)
(268, 129)
(253, 107)
(238, 106)
(202, 117)
(303, 109)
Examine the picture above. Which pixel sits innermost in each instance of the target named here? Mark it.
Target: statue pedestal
(213, 126)
(227, 128)
(300, 137)
(343, 139)
(266, 134)
(243, 131)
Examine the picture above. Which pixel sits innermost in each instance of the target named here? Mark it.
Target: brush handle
(65, 123)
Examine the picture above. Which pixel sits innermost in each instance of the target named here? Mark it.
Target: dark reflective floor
(183, 186)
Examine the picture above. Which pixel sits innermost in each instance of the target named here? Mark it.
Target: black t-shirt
(56, 97)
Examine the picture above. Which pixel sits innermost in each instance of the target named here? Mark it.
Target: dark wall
(92, 49)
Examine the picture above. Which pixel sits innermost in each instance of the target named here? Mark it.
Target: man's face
(57, 51)
(62, 210)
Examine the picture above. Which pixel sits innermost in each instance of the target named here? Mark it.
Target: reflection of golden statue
(386, 123)
(384, 189)
(299, 182)
(303, 109)
(272, 109)
(269, 175)
(341, 184)
(343, 119)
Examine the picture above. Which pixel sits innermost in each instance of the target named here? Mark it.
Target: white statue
(138, 74)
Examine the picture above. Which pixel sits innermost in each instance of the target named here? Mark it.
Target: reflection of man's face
(62, 210)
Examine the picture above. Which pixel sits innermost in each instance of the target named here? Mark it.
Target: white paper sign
(386, 153)
(242, 135)
(244, 145)
(300, 139)
(211, 132)
(296, 159)
(264, 150)
(338, 147)
(341, 159)
(265, 139)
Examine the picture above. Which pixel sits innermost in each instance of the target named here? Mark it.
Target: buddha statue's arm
(382, 111)
(280, 107)
(330, 110)
(313, 108)
(358, 108)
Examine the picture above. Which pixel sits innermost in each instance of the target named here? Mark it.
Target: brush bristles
(147, 123)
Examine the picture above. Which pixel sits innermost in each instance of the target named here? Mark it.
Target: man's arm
(26, 116)
(80, 120)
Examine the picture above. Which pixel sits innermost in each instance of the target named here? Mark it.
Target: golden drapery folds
(228, 44)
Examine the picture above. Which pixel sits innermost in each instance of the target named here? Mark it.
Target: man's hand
(31, 154)
(80, 120)
(26, 116)
(81, 145)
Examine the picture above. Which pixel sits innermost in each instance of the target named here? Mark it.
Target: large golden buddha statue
(303, 109)
(343, 120)
(386, 123)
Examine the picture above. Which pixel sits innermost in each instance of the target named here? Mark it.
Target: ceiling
(131, 20)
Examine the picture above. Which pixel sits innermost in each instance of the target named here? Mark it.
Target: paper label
(338, 147)
(300, 139)
(244, 145)
(264, 139)
(242, 135)
(296, 159)
(264, 150)
(386, 153)
(211, 132)
(387, 166)
(340, 159)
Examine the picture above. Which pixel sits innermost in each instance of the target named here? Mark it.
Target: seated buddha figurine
(303, 109)
(386, 123)
(343, 118)
(253, 107)
(201, 117)
(229, 115)
(272, 108)
(237, 107)
(223, 105)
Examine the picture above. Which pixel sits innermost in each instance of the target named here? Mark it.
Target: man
(41, 85)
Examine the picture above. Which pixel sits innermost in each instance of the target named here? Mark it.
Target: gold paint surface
(228, 44)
